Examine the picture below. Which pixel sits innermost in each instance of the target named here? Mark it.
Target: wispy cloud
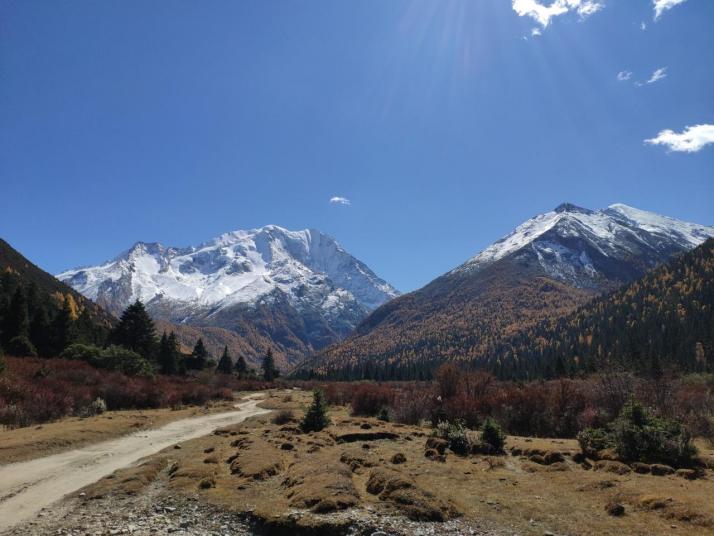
(660, 6)
(690, 140)
(643, 26)
(337, 200)
(543, 14)
(659, 74)
(624, 75)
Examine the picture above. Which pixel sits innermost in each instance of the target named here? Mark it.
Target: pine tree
(199, 356)
(169, 354)
(40, 332)
(17, 322)
(316, 418)
(225, 365)
(241, 367)
(135, 331)
(63, 333)
(270, 372)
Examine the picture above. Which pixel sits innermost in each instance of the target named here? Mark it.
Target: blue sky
(444, 123)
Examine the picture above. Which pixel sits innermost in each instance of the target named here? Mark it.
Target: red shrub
(369, 399)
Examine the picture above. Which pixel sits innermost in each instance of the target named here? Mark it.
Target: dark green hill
(38, 309)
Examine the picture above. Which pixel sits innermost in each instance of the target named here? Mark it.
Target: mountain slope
(663, 320)
(545, 268)
(25, 272)
(301, 289)
(36, 307)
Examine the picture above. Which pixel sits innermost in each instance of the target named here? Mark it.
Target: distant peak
(569, 207)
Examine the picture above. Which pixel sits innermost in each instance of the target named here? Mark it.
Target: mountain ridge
(548, 265)
(300, 288)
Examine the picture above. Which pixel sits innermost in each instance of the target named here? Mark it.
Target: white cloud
(543, 13)
(690, 140)
(659, 74)
(660, 6)
(337, 200)
(624, 75)
(643, 26)
(535, 32)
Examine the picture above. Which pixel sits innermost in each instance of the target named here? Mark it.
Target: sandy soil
(27, 487)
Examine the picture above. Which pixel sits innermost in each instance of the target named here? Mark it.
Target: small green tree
(225, 365)
(316, 418)
(270, 371)
(492, 435)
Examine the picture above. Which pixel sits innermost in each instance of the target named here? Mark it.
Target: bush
(593, 440)
(21, 346)
(284, 416)
(368, 400)
(2, 360)
(492, 435)
(638, 436)
(84, 352)
(96, 407)
(455, 433)
(122, 360)
(316, 417)
(116, 358)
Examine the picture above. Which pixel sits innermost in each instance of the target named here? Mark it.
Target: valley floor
(362, 475)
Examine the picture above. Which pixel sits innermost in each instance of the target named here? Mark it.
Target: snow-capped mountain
(545, 268)
(589, 248)
(268, 273)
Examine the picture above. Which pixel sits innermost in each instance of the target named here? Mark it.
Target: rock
(608, 466)
(608, 454)
(689, 474)
(398, 458)
(641, 468)
(553, 456)
(659, 469)
(615, 509)
(437, 444)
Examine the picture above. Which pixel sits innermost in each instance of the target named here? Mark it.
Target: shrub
(283, 416)
(368, 400)
(123, 360)
(455, 433)
(2, 360)
(593, 440)
(21, 346)
(492, 435)
(96, 407)
(316, 417)
(638, 436)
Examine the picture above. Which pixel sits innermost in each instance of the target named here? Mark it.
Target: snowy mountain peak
(569, 207)
(585, 247)
(239, 267)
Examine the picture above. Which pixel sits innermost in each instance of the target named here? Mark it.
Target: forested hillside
(40, 315)
(662, 321)
(665, 320)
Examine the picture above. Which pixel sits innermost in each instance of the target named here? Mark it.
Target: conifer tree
(316, 418)
(135, 331)
(169, 354)
(270, 372)
(225, 365)
(17, 322)
(241, 367)
(63, 333)
(40, 332)
(199, 356)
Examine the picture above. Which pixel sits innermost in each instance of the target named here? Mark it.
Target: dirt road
(27, 487)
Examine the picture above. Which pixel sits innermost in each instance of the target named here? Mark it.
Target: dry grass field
(283, 479)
